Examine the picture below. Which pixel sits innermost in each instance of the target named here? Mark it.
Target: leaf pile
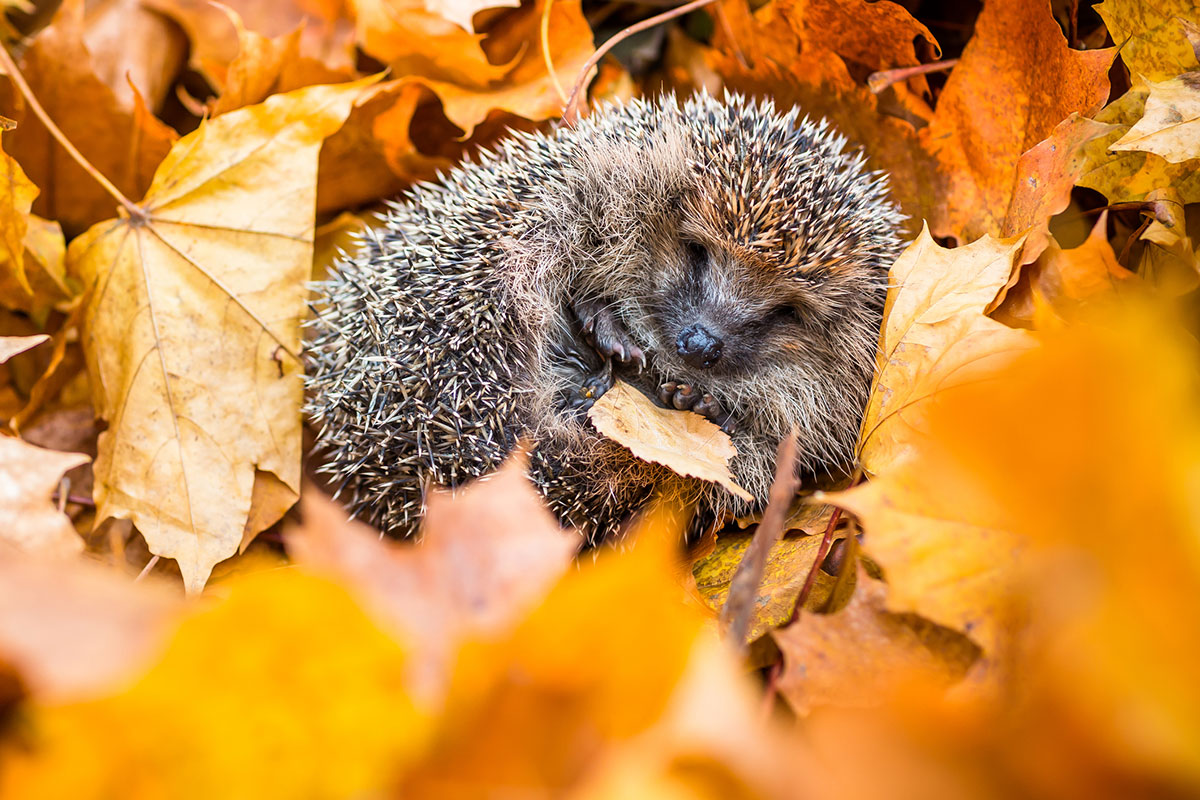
(1004, 599)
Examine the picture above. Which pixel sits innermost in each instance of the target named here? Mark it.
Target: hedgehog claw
(684, 396)
(606, 335)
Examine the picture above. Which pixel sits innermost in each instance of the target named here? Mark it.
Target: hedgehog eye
(697, 255)
(789, 313)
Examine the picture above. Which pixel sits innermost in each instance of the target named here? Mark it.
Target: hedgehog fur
(718, 255)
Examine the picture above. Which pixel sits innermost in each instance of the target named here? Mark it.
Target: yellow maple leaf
(192, 330)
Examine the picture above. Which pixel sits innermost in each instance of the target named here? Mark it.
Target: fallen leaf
(542, 706)
(1016, 80)
(487, 555)
(1152, 36)
(683, 441)
(838, 659)
(462, 12)
(206, 297)
(787, 568)
(1170, 125)
(134, 49)
(125, 144)
(76, 630)
(1067, 281)
(11, 345)
(284, 684)
(29, 522)
(935, 337)
(17, 193)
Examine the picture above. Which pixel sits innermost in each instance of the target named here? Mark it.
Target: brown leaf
(29, 522)
(1066, 281)
(683, 441)
(1152, 36)
(134, 49)
(125, 143)
(864, 654)
(462, 12)
(76, 630)
(487, 555)
(935, 338)
(192, 330)
(1170, 125)
(1016, 80)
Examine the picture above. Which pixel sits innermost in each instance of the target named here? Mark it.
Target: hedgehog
(721, 256)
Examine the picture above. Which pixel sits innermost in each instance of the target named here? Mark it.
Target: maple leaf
(284, 688)
(125, 144)
(487, 554)
(1170, 124)
(29, 522)
(935, 337)
(1153, 36)
(1007, 93)
(205, 295)
(837, 659)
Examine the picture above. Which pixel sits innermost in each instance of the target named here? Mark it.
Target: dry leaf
(1066, 281)
(935, 337)
(125, 144)
(1152, 36)
(462, 12)
(11, 345)
(205, 298)
(487, 554)
(1170, 125)
(1016, 80)
(863, 654)
(284, 687)
(683, 441)
(134, 49)
(29, 522)
(17, 193)
(78, 630)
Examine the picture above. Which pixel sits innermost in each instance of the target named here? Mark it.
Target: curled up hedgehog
(720, 256)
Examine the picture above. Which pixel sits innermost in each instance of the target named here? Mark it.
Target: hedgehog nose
(699, 347)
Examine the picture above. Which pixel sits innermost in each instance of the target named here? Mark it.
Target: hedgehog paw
(588, 391)
(607, 335)
(686, 397)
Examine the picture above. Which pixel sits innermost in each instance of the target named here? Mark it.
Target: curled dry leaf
(487, 555)
(11, 345)
(863, 654)
(1170, 124)
(681, 441)
(462, 12)
(192, 329)
(935, 337)
(134, 46)
(17, 193)
(29, 522)
(124, 143)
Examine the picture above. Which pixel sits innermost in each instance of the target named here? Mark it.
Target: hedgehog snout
(699, 347)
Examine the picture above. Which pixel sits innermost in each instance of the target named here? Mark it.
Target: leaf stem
(10, 66)
(570, 112)
(878, 81)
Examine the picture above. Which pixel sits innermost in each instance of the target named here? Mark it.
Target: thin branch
(743, 589)
(878, 81)
(10, 66)
(570, 113)
(826, 543)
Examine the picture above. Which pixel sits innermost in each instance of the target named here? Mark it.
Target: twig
(743, 589)
(558, 87)
(6, 61)
(570, 112)
(878, 81)
(822, 551)
(146, 569)
(1133, 237)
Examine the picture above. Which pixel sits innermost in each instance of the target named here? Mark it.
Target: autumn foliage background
(1005, 603)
